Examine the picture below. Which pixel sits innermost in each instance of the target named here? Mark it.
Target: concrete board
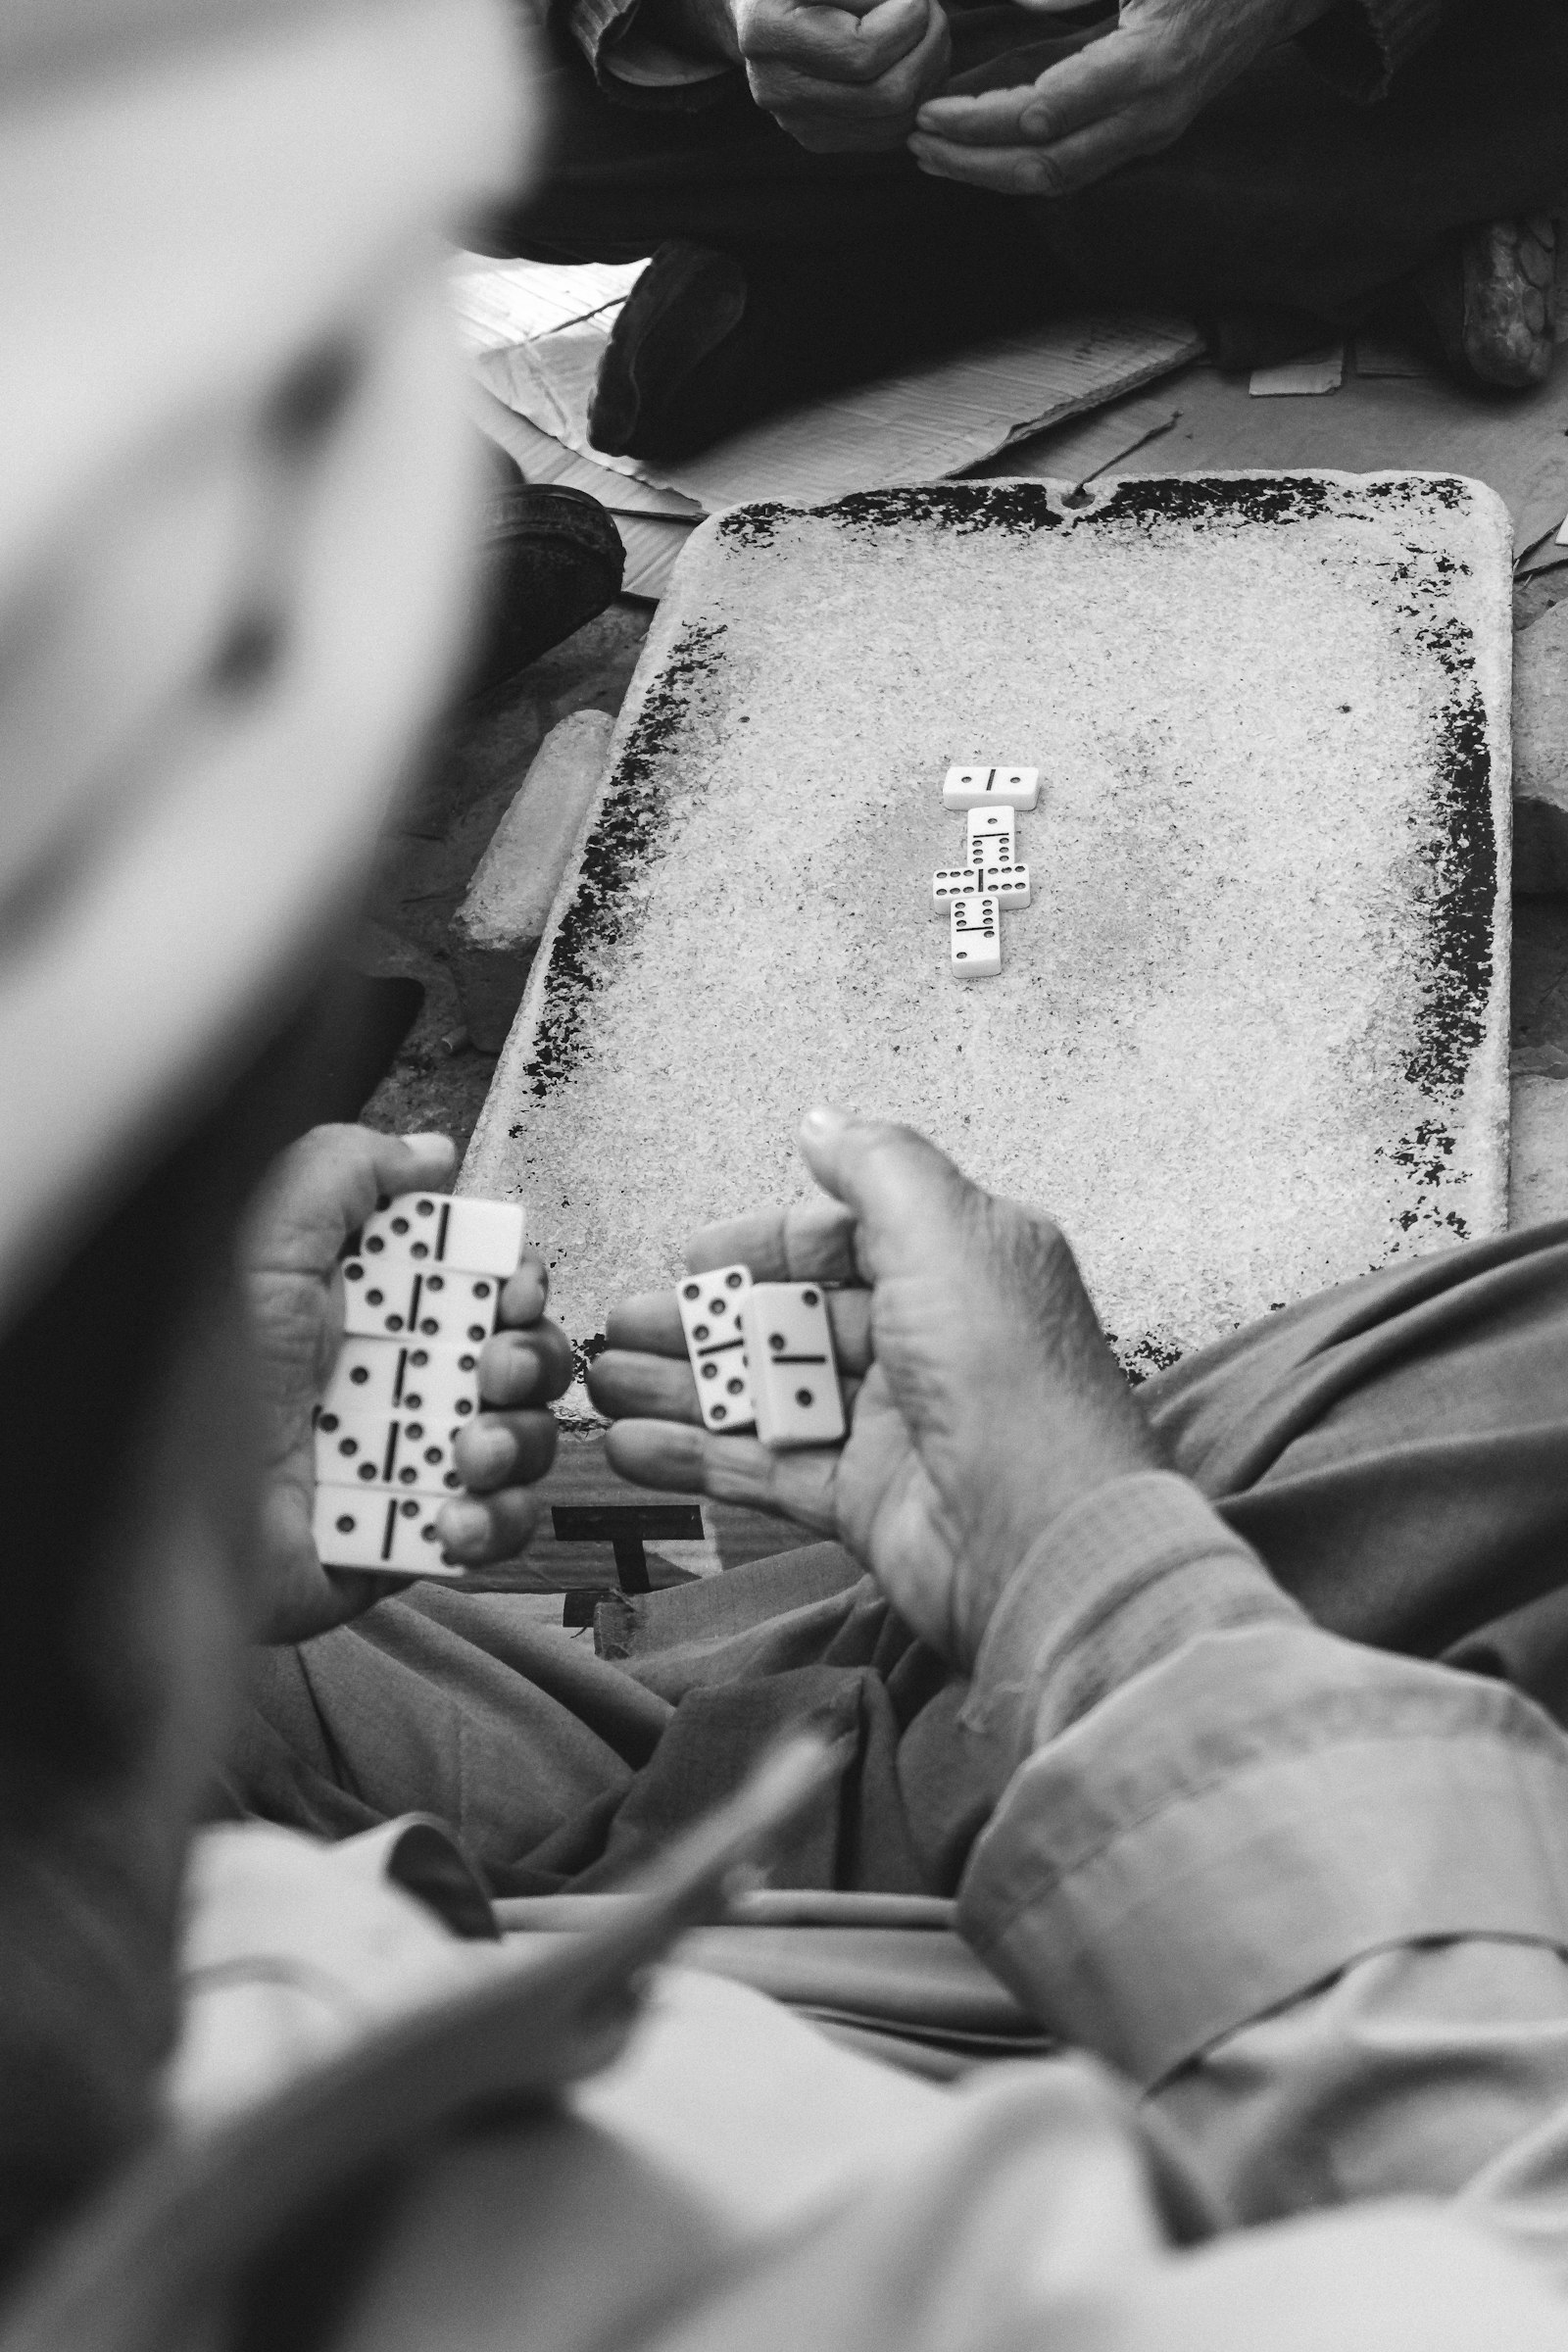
(1250, 1039)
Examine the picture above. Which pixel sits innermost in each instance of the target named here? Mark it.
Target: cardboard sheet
(916, 426)
(537, 334)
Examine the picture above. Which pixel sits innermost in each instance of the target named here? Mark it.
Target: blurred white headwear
(234, 526)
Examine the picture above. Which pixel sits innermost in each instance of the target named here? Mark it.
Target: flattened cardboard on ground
(1250, 1039)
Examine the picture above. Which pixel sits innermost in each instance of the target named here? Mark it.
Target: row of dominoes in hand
(762, 1354)
(993, 875)
(421, 1293)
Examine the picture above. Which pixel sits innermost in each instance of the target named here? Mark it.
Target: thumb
(417, 1163)
(911, 1205)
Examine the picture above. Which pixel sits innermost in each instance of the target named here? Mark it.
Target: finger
(324, 1186)
(477, 1530)
(834, 45)
(993, 119)
(1077, 163)
(525, 1367)
(911, 1205)
(1005, 171)
(669, 1454)
(524, 1294)
(650, 1325)
(1104, 79)
(505, 1450)
(623, 1383)
(811, 1240)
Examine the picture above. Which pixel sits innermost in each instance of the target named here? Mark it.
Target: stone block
(1250, 1038)
(500, 923)
(1540, 755)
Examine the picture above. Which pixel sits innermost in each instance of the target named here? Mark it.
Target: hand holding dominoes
(411, 1430)
(983, 1399)
(993, 876)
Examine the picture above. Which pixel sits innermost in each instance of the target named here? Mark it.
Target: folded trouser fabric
(913, 1988)
(1396, 1450)
(1289, 199)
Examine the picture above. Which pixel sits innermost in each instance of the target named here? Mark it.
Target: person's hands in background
(837, 78)
(983, 1398)
(315, 1194)
(1127, 94)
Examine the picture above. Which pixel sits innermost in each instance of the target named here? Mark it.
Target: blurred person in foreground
(832, 191)
(1306, 1896)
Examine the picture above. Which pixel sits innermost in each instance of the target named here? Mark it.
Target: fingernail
(426, 1136)
(823, 1120)
(463, 1525)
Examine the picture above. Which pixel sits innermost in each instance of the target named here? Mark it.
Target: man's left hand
(318, 1192)
(1127, 95)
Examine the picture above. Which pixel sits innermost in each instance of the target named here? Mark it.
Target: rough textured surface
(1251, 1037)
(1540, 755)
(505, 913)
(1537, 1186)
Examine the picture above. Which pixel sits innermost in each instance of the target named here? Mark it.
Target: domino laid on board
(711, 1318)
(974, 942)
(1008, 885)
(990, 837)
(952, 882)
(971, 787)
(791, 1365)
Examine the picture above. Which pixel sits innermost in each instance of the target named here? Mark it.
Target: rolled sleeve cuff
(1361, 44)
(1245, 1821)
(638, 72)
(1115, 1585)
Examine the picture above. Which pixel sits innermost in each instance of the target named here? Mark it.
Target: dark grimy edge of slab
(682, 719)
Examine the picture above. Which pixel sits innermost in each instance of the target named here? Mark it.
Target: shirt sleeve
(636, 71)
(1312, 1898)
(1361, 44)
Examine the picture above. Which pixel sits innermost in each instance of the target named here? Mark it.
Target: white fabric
(179, 236)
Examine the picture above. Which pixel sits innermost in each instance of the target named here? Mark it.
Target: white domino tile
(711, 1318)
(396, 1533)
(990, 837)
(1008, 885)
(431, 1229)
(971, 787)
(376, 1378)
(390, 1298)
(951, 882)
(789, 1353)
(975, 938)
(408, 1456)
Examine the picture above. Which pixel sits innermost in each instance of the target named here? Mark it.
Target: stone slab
(1540, 755)
(1250, 1039)
(503, 918)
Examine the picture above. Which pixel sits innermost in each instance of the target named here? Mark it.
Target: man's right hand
(986, 1402)
(838, 79)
